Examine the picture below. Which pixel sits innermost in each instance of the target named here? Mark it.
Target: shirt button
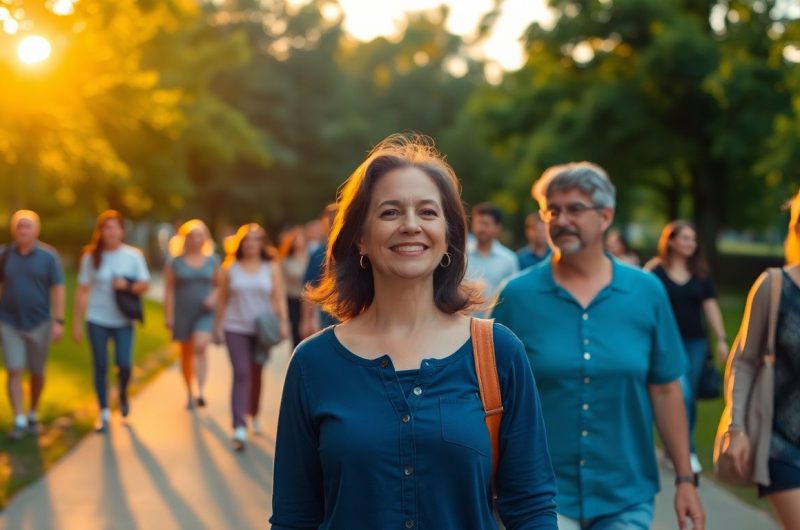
(585, 406)
(417, 391)
(406, 418)
(408, 471)
(409, 523)
(586, 380)
(583, 462)
(584, 433)
(586, 316)
(587, 355)
(384, 363)
(586, 341)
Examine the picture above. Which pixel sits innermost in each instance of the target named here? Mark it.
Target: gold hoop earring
(449, 260)
(361, 261)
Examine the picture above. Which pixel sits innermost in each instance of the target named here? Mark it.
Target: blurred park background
(236, 111)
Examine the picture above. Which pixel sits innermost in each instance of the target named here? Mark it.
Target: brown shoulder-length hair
(234, 247)
(698, 266)
(346, 289)
(96, 245)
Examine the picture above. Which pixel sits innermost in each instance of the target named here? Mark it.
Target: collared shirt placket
(584, 404)
(405, 408)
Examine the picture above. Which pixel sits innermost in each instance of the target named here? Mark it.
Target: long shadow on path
(182, 511)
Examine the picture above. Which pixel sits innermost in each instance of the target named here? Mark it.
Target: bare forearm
(57, 298)
(670, 416)
(714, 318)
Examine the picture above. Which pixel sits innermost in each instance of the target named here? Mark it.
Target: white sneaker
(695, 462)
(239, 438)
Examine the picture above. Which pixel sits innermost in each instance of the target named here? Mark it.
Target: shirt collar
(620, 277)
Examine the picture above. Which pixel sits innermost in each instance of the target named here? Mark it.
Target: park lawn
(68, 405)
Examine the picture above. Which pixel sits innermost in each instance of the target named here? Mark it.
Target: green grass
(68, 405)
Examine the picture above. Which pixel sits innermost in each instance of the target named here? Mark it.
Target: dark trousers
(123, 346)
(246, 388)
(294, 319)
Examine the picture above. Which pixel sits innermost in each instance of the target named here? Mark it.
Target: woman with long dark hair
(108, 265)
(683, 270)
(381, 423)
(251, 285)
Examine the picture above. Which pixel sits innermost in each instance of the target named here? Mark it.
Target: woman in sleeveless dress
(190, 294)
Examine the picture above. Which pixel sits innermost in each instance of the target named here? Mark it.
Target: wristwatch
(691, 479)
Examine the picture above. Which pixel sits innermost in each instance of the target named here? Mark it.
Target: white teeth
(409, 248)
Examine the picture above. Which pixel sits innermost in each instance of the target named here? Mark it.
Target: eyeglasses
(572, 211)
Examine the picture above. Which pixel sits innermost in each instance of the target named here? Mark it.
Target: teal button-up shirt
(593, 366)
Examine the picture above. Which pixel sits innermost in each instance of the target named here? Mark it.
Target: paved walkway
(163, 468)
(166, 467)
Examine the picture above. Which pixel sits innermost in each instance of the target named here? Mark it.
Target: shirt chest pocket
(464, 424)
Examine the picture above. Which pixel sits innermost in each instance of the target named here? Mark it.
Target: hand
(210, 301)
(737, 446)
(285, 331)
(120, 284)
(218, 335)
(77, 332)
(56, 331)
(687, 504)
(722, 350)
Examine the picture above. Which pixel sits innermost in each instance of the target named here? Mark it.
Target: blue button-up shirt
(593, 366)
(354, 451)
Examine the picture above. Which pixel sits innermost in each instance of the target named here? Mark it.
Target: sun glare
(33, 49)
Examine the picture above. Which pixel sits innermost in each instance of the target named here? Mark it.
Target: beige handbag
(758, 416)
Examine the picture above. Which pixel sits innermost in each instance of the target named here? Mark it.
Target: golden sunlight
(34, 49)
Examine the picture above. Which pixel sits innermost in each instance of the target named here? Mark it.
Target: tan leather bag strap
(488, 382)
(775, 283)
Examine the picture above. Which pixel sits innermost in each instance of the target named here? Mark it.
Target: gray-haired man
(31, 313)
(607, 356)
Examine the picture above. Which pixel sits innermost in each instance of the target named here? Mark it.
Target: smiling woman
(393, 390)
(34, 49)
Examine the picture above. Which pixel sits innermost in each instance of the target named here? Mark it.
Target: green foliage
(661, 99)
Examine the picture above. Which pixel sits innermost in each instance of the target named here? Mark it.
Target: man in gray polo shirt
(31, 313)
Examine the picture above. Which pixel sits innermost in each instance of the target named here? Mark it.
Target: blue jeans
(696, 349)
(636, 517)
(123, 345)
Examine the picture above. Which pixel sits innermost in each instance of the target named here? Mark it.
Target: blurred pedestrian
(607, 356)
(312, 317)
(191, 279)
(108, 265)
(294, 262)
(381, 425)
(618, 245)
(251, 285)
(489, 262)
(537, 248)
(682, 268)
(770, 457)
(31, 314)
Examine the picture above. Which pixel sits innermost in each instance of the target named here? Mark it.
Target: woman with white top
(108, 265)
(251, 285)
